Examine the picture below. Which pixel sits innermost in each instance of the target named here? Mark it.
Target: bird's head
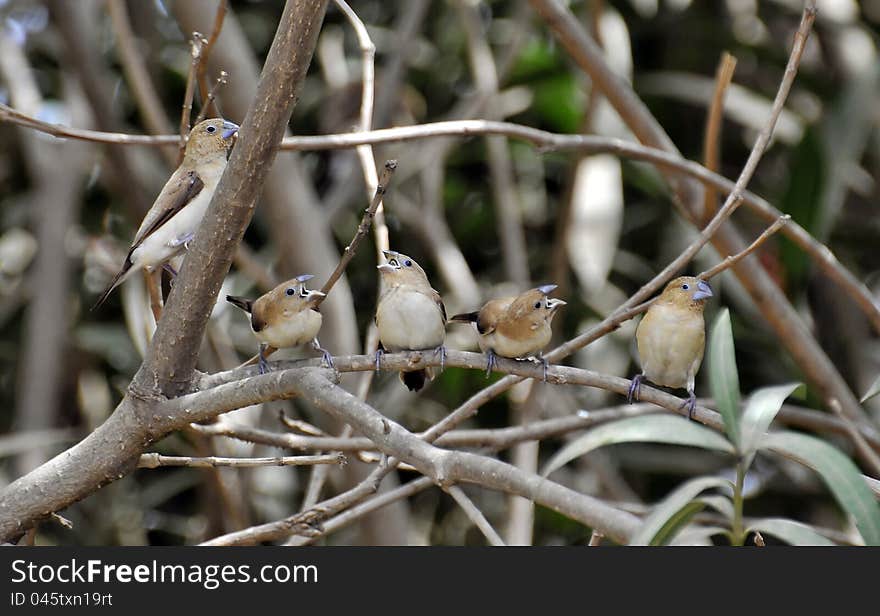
(293, 295)
(400, 269)
(687, 292)
(211, 139)
(535, 304)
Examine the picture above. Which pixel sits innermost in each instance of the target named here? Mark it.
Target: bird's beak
(385, 268)
(229, 129)
(704, 291)
(388, 253)
(304, 277)
(553, 304)
(314, 296)
(547, 289)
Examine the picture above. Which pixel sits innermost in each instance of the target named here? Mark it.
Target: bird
(410, 315)
(671, 338)
(171, 222)
(285, 317)
(515, 327)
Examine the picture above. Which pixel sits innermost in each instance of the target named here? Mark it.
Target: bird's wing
(491, 313)
(177, 194)
(436, 297)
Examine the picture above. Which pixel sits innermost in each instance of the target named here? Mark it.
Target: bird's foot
(634, 388)
(326, 357)
(262, 364)
(539, 359)
(167, 267)
(441, 350)
(379, 353)
(490, 362)
(691, 404)
(181, 240)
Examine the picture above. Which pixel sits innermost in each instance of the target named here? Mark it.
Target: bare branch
(207, 97)
(475, 515)
(196, 45)
(155, 460)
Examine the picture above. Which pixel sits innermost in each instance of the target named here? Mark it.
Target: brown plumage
(410, 314)
(671, 338)
(178, 210)
(285, 317)
(515, 327)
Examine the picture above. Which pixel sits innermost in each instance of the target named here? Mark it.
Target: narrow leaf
(695, 535)
(873, 390)
(839, 474)
(670, 429)
(723, 376)
(719, 503)
(761, 407)
(667, 517)
(793, 533)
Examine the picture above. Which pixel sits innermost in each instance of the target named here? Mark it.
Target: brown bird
(410, 314)
(285, 317)
(671, 338)
(177, 212)
(515, 327)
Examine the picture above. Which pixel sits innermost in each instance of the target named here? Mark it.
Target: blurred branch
(732, 260)
(155, 460)
(212, 95)
(145, 96)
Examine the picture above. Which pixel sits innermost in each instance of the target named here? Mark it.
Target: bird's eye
(685, 286)
(408, 263)
(537, 304)
(290, 291)
(211, 129)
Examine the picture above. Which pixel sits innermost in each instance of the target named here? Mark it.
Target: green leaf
(839, 474)
(670, 429)
(793, 533)
(761, 407)
(873, 390)
(697, 535)
(723, 376)
(719, 503)
(674, 511)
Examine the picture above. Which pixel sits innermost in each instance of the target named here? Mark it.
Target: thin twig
(596, 538)
(475, 515)
(732, 260)
(212, 94)
(155, 460)
(712, 139)
(207, 97)
(196, 45)
(364, 226)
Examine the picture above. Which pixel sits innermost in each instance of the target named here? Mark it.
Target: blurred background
(483, 216)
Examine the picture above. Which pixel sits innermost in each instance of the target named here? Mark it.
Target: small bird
(515, 327)
(285, 317)
(671, 338)
(171, 222)
(410, 315)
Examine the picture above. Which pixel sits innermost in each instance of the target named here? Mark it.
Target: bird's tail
(415, 380)
(466, 317)
(242, 302)
(120, 277)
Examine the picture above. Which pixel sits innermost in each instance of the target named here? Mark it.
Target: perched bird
(410, 315)
(285, 317)
(172, 221)
(671, 338)
(515, 327)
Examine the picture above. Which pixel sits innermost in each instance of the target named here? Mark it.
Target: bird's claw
(379, 353)
(168, 268)
(691, 404)
(182, 240)
(634, 389)
(544, 365)
(442, 351)
(326, 357)
(490, 362)
(262, 364)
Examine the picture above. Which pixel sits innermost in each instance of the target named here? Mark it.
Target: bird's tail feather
(415, 380)
(466, 317)
(242, 302)
(120, 277)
